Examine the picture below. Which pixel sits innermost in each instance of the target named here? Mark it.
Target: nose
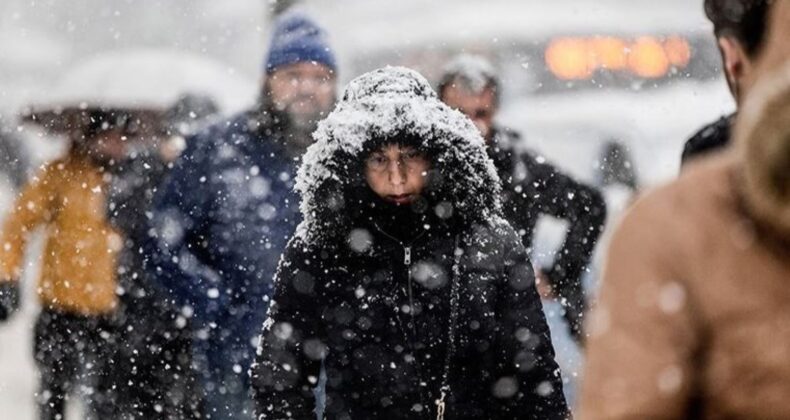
(306, 85)
(396, 172)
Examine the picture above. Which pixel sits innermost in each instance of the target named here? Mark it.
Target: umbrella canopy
(139, 81)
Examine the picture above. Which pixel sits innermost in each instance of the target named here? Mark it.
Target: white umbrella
(147, 80)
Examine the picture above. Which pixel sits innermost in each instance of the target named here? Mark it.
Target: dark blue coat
(219, 225)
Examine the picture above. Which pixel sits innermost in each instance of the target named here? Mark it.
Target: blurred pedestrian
(74, 333)
(404, 278)
(617, 167)
(739, 27)
(154, 373)
(227, 210)
(532, 187)
(692, 321)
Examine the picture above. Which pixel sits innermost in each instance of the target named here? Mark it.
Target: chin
(406, 200)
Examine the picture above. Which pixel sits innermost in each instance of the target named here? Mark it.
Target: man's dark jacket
(217, 229)
(709, 139)
(532, 187)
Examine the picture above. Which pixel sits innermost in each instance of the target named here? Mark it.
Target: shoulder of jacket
(710, 135)
(496, 229)
(696, 198)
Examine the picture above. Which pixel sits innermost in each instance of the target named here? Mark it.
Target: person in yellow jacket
(77, 285)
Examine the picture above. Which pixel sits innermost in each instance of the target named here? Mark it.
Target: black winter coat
(152, 374)
(533, 187)
(374, 298)
(382, 320)
(712, 137)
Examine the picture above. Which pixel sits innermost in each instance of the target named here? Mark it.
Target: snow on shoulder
(382, 104)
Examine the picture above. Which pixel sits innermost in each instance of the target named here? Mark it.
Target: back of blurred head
(106, 136)
(300, 76)
(740, 28)
(189, 112)
(763, 130)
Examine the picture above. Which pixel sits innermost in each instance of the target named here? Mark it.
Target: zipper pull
(407, 255)
(440, 407)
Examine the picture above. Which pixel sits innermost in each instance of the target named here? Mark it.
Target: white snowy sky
(42, 40)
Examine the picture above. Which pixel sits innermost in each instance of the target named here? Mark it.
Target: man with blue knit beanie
(224, 216)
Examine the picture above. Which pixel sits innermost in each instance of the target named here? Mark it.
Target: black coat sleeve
(524, 342)
(557, 194)
(709, 139)
(131, 193)
(288, 360)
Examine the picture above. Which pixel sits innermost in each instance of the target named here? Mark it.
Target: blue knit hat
(298, 39)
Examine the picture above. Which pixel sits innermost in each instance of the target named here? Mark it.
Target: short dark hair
(471, 72)
(450, 80)
(744, 20)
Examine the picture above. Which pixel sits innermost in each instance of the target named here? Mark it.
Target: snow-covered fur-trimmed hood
(383, 104)
(763, 136)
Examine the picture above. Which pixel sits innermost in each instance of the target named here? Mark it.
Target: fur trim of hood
(381, 104)
(763, 138)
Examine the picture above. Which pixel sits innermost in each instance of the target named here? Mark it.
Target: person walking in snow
(227, 210)
(740, 28)
(532, 187)
(77, 287)
(153, 370)
(692, 319)
(403, 279)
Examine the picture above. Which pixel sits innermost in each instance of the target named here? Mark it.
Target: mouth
(401, 199)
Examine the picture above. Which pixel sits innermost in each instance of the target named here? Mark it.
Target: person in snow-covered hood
(403, 278)
(740, 28)
(227, 210)
(532, 187)
(692, 319)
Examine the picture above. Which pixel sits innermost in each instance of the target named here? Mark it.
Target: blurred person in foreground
(227, 209)
(532, 187)
(693, 315)
(404, 279)
(740, 28)
(154, 374)
(77, 287)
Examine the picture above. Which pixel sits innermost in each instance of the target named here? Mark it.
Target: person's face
(110, 145)
(305, 91)
(480, 107)
(111, 135)
(397, 173)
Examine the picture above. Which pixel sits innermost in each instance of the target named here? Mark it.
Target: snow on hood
(147, 79)
(382, 104)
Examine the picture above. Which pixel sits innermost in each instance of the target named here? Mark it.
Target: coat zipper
(407, 249)
(407, 260)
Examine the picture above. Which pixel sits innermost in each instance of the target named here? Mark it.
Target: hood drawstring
(454, 304)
